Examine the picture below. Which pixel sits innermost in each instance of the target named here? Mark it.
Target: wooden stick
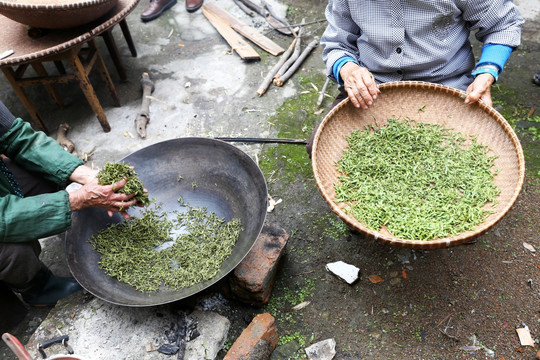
(276, 22)
(257, 8)
(294, 56)
(323, 90)
(312, 45)
(268, 79)
(308, 23)
(143, 117)
(290, 60)
(62, 139)
(244, 8)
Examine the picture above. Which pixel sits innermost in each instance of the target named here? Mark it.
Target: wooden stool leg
(127, 36)
(104, 73)
(11, 77)
(60, 67)
(113, 50)
(40, 70)
(80, 74)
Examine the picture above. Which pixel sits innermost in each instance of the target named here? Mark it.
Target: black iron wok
(228, 182)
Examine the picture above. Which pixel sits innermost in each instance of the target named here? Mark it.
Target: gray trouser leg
(19, 263)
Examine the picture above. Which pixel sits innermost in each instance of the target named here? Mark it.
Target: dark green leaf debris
(420, 181)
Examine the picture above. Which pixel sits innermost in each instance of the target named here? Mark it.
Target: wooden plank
(242, 48)
(244, 29)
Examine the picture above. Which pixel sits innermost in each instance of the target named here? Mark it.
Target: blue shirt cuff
(338, 65)
(495, 54)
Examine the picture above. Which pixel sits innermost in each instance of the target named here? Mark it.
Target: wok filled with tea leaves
(207, 202)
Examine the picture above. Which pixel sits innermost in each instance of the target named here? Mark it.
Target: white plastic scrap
(477, 346)
(529, 247)
(323, 350)
(345, 271)
(272, 203)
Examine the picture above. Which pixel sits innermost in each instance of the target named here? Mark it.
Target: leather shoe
(55, 288)
(156, 8)
(193, 5)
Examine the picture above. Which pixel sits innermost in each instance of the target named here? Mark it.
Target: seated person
(34, 169)
(371, 42)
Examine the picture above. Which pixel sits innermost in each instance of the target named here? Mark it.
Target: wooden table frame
(81, 60)
(76, 47)
(113, 50)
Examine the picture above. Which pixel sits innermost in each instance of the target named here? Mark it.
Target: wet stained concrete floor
(458, 303)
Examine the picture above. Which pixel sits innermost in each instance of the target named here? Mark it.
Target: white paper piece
(525, 336)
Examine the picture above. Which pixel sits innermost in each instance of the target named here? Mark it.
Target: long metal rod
(263, 140)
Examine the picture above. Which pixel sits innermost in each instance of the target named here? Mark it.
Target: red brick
(257, 341)
(253, 279)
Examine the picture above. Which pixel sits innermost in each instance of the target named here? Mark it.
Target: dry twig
(62, 139)
(85, 156)
(268, 79)
(287, 64)
(312, 45)
(279, 24)
(323, 91)
(143, 117)
(244, 8)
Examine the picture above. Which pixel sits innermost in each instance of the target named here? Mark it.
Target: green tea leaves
(154, 251)
(420, 181)
(114, 172)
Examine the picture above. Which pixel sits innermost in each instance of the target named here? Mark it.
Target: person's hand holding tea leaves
(124, 180)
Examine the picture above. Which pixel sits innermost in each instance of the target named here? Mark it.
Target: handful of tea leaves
(114, 172)
(420, 181)
(152, 250)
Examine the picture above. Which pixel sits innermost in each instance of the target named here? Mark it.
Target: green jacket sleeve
(37, 152)
(34, 217)
(24, 219)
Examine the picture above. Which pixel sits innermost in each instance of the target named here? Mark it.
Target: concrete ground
(202, 88)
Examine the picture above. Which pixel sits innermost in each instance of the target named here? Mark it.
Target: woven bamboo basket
(427, 103)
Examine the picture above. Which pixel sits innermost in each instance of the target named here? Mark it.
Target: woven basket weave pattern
(429, 103)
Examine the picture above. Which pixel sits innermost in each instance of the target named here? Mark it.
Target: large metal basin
(229, 183)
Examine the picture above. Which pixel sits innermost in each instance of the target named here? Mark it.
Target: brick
(257, 341)
(253, 279)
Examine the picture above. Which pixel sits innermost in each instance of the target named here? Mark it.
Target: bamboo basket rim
(421, 244)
